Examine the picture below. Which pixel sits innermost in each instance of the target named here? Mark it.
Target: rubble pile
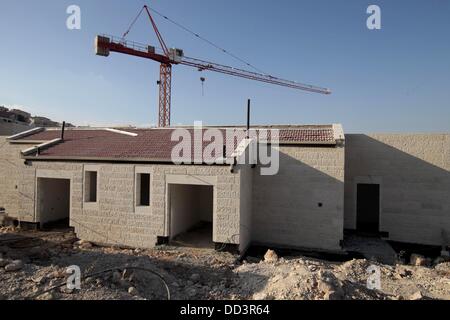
(301, 278)
(33, 265)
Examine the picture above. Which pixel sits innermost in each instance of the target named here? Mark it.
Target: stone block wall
(413, 171)
(114, 218)
(13, 176)
(303, 205)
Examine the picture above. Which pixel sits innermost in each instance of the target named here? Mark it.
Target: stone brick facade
(301, 206)
(413, 172)
(114, 218)
(14, 181)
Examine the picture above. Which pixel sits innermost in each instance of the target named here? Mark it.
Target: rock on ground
(16, 265)
(270, 256)
(4, 262)
(418, 260)
(133, 291)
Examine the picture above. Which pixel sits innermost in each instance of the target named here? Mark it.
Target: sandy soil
(39, 261)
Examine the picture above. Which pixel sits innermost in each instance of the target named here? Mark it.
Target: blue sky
(396, 79)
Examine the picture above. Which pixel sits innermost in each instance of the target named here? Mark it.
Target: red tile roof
(151, 144)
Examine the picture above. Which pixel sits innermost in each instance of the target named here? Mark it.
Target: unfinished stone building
(122, 187)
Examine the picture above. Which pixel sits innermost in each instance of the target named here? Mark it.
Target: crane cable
(207, 41)
(133, 23)
(195, 35)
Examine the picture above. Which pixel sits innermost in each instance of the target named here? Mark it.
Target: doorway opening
(53, 203)
(191, 215)
(368, 209)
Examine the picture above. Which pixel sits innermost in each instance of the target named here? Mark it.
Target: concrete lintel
(191, 179)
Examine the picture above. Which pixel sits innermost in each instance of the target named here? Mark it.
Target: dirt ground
(33, 264)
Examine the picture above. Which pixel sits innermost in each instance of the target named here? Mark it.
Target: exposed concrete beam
(41, 146)
(25, 133)
(131, 134)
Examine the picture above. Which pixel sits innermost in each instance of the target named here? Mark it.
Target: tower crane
(105, 44)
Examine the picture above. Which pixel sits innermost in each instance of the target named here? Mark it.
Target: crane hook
(203, 79)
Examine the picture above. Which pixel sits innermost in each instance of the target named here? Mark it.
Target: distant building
(15, 121)
(45, 122)
(20, 115)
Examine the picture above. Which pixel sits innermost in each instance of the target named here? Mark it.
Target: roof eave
(303, 143)
(108, 159)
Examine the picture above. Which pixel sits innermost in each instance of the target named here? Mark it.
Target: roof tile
(153, 144)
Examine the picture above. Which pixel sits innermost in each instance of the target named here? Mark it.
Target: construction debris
(418, 260)
(16, 265)
(416, 296)
(271, 256)
(4, 262)
(201, 274)
(133, 291)
(82, 244)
